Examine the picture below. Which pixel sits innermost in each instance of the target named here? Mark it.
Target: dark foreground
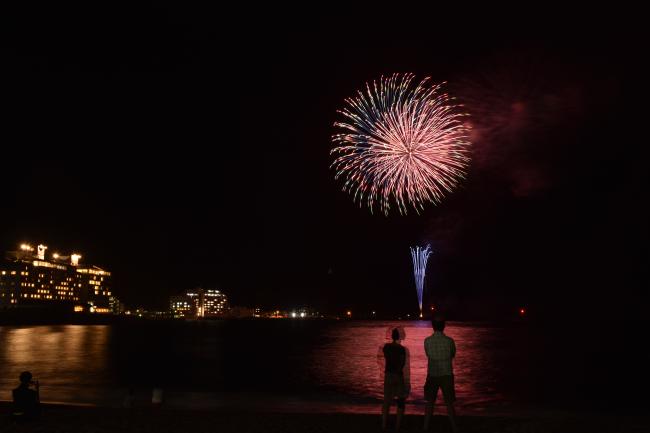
(72, 419)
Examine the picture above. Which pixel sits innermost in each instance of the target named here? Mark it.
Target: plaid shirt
(440, 350)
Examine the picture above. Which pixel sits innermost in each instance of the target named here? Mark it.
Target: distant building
(215, 303)
(273, 314)
(117, 307)
(148, 314)
(296, 313)
(241, 312)
(27, 277)
(197, 303)
(181, 306)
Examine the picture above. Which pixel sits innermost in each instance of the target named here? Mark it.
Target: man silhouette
(26, 400)
(440, 351)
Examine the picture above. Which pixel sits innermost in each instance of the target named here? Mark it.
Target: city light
(41, 251)
(75, 259)
(55, 256)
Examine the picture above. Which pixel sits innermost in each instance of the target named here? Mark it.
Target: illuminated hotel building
(199, 303)
(27, 277)
(181, 306)
(117, 307)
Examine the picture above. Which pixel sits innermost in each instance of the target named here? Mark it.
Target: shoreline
(73, 419)
(77, 418)
(19, 318)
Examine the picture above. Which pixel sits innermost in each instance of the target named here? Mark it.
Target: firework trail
(400, 142)
(420, 257)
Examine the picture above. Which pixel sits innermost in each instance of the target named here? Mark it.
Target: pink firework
(401, 143)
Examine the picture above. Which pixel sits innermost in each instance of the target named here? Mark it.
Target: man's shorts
(446, 383)
(394, 386)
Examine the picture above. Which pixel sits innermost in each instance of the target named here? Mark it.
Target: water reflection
(68, 360)
(347, 361)
(94, 364)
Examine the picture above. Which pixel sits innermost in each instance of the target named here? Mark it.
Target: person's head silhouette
(395, 334)
(438, 323)
(25, 377)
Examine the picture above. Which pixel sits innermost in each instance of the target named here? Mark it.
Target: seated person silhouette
(26, 400)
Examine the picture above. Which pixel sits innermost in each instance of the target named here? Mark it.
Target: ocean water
(304, 365)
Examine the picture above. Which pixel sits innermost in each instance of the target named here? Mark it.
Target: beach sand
(73, 419)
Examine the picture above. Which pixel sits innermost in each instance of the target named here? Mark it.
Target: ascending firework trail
(420, 257)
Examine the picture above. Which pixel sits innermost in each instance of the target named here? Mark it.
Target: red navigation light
(522, 311)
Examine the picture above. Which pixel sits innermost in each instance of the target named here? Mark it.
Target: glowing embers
(401, 143)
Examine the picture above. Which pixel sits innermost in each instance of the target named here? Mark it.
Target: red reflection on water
(348, 361)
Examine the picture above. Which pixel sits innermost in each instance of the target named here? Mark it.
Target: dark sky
(182, 147)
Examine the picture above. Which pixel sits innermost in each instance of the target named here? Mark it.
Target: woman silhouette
(394, 363)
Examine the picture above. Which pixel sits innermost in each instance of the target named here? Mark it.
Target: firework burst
(401, 143)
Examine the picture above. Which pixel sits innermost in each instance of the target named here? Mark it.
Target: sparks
(401, 143)
(420, 257)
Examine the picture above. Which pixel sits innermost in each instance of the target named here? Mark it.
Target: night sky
(179, 148)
